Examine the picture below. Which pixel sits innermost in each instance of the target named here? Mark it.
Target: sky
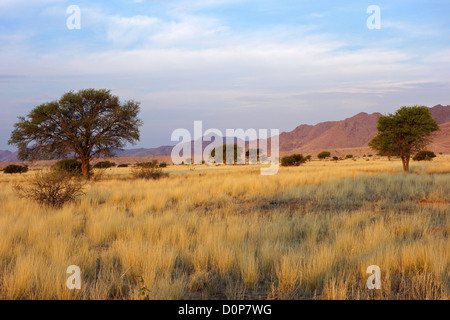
(228, 63)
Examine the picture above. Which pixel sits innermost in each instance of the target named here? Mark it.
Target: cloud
(126, 31)
(410, 30)
(177, 29)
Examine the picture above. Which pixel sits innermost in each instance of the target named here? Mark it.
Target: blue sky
(230, 63)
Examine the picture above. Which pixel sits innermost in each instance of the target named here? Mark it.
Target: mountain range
(349, 135)
(356, 133)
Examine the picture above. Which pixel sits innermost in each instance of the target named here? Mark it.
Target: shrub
(104, 165)
(293, 160)
(308, 157)
(148, 170)
(150, 164)
(323, 155)
(424, 156)
(70, 166)
(163, 165)
(349, 156)
(335, 158)
(123, 165)
(14, 168)
(51, 188)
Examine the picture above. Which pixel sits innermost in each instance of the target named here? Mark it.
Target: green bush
(323, 155)
(123, 165)
(149, 164)
(163, 165)
(104, 165)
(349, 156)
(148, 170)
(293, 160)
(335, 158)
(70, 166)
(14, 168)
(424, 156)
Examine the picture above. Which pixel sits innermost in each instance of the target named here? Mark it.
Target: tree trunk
(405, 162)
(85, 168)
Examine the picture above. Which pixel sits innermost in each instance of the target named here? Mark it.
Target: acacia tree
(227, 158)
(85, 124)
(404, 133)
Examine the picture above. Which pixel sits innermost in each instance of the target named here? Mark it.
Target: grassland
(227, 232)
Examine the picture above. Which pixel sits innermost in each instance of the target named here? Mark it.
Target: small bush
(293, 160)
(52, 188)
(123, 165)
(323, 155)
(335, 158)
(148, 170)
(104, 165)
(349, 156)
(163, 165)
(14, 168)
(424, 156)
(150, 164)
(308, 157)
(69, 166)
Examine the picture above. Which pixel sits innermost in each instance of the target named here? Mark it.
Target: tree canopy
(293, 160)
(227, 158)
(324, 154)
(85, 124)
(404, 133)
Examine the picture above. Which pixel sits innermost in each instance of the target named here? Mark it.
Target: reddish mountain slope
(355, 132)
(440, 113)
(441, 140)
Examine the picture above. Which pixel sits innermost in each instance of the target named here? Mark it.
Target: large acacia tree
(85, 124)
(404, 133)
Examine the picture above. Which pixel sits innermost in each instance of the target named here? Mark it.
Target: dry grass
(227, 232)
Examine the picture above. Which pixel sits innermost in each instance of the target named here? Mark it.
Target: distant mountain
(142, 152)
(354, 132)
(351, 133)
(8, 156)
(441, 113)
(441, 140)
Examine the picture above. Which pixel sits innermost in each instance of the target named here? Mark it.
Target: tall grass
(308, 232)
